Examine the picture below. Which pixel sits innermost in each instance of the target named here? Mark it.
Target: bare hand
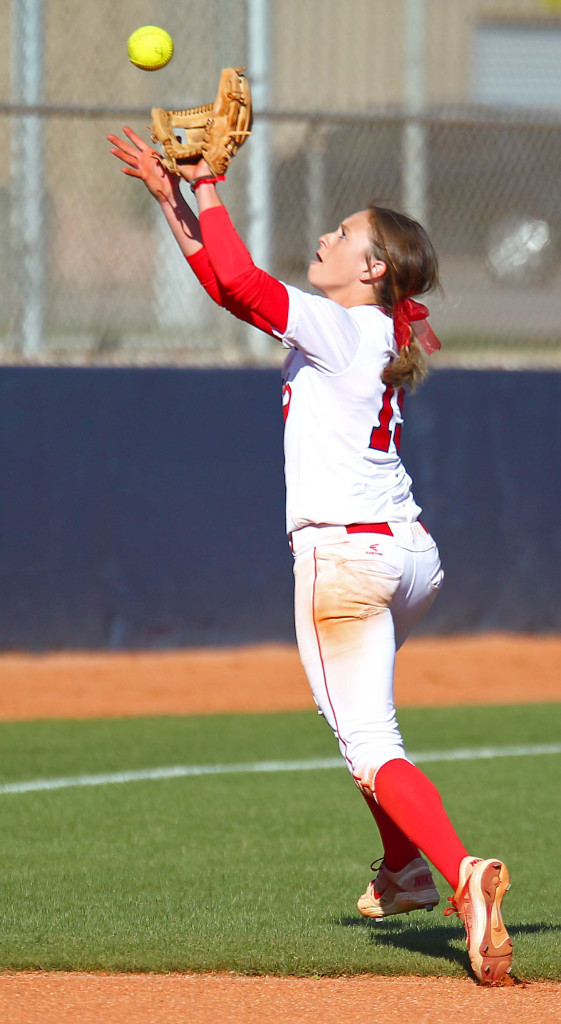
(143, 162)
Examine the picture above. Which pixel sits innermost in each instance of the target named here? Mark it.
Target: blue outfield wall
(145, 507)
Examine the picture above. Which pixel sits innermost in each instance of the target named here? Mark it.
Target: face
(340, 269)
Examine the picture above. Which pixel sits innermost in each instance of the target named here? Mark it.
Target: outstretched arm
(245, 300)
(244, 284)
(141, 161)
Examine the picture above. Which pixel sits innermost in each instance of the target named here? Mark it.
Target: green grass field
(259, 872)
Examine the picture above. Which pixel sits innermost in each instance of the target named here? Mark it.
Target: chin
(311, 275)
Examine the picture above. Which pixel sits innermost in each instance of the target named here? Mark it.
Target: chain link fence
(449, 109)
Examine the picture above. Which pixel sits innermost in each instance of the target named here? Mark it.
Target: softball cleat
(398, 892)
(477, 901)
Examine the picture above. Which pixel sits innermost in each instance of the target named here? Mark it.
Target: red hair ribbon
(408, 313)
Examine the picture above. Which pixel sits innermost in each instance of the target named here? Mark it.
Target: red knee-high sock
(398, 848)
(411, 800)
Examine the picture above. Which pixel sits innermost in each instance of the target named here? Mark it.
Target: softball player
(366, 568)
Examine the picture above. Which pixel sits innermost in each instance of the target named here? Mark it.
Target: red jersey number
(381, 436)
(286, 396)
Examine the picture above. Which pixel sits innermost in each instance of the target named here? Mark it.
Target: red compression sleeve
(202, 269)
(245, 285)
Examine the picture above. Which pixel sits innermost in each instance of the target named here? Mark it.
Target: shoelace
(448, 911)
(377, 864)
(375, 868)
(453, 909)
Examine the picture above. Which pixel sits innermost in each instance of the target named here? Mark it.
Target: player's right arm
(142, 161)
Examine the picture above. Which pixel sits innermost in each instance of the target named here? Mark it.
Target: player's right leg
(477, 902)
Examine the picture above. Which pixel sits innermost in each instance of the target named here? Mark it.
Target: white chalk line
(263, 767)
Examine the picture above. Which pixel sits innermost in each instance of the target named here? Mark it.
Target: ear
(373, 271)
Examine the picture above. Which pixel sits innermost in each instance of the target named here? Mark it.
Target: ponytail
(412, 269)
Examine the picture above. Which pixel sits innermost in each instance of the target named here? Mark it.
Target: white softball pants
(357, 597)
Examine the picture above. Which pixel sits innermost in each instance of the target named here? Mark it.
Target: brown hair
(412, 269)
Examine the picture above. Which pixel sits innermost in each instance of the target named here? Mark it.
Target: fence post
(259, 178)
(415, 97)
(27, 186)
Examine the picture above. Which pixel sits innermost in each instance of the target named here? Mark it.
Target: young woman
(366, 569)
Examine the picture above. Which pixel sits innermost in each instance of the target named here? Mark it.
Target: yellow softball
(150, 48)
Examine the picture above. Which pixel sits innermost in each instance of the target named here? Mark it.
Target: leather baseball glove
(214, 131)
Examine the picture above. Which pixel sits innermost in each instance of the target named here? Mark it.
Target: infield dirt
(490, 669)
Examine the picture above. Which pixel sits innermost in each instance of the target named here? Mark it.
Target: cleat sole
(489, 945)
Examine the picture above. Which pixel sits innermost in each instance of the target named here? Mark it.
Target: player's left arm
(322, 329)
(202, 269)
(245, 285)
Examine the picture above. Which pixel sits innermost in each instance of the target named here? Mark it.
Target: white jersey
(342, 423)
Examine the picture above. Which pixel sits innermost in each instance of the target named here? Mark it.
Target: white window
(517, 65)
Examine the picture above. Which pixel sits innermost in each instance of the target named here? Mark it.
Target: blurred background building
(450, 109)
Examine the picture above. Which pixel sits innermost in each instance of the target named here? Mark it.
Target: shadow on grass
(432, 939)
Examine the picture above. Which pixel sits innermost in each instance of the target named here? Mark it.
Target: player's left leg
(398, 848)
(399, 892)
(347, 644)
